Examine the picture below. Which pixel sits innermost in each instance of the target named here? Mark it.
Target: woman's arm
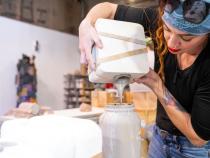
(88, 36)
(177, 114)
(180, 118)
(87, 33)
(104, 10)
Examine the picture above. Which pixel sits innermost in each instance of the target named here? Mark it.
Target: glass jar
(120, 129)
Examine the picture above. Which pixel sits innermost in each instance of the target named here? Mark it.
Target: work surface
(94, 114)
(52, 136)
(77, 113)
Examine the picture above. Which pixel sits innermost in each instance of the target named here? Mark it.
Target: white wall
(58, 55)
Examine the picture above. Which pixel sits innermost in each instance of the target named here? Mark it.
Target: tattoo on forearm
(169, 100)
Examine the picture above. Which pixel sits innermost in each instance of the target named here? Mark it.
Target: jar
(120, 129)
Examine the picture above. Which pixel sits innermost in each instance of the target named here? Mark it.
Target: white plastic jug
(124, 51)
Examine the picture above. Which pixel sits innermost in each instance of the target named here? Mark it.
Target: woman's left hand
(153, 81)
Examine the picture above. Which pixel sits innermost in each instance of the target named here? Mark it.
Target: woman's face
(180, 42)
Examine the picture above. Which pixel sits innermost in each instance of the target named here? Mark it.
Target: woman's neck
(186, 59)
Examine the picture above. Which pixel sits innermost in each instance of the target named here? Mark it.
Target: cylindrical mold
(120, 129)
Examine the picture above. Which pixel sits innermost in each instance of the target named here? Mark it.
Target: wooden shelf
(78, 90)
(88, 89)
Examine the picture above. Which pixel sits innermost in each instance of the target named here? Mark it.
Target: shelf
(79, 101)
(77, 91)
(88, 89)
(80, 95)
(76, 76)
(70, 102)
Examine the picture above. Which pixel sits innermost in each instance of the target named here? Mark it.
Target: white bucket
(124, 51)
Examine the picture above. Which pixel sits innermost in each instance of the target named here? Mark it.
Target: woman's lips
(173, 50)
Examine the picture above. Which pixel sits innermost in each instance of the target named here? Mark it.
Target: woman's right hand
(88, 38)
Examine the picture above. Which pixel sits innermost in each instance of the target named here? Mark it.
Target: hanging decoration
(26, 80)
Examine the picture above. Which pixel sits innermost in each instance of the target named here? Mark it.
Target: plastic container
(124, 51)
(120, 130)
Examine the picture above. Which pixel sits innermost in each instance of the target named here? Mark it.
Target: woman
(181, 80)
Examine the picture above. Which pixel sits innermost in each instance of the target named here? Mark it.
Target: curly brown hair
(161, 45)
(161, 48)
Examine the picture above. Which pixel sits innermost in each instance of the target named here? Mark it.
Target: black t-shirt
(191, 86)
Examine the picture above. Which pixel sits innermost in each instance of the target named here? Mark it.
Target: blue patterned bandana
(177, 20)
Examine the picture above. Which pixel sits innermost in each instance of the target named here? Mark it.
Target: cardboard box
(145, 105)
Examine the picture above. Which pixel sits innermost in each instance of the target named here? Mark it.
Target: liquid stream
(120, 83)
